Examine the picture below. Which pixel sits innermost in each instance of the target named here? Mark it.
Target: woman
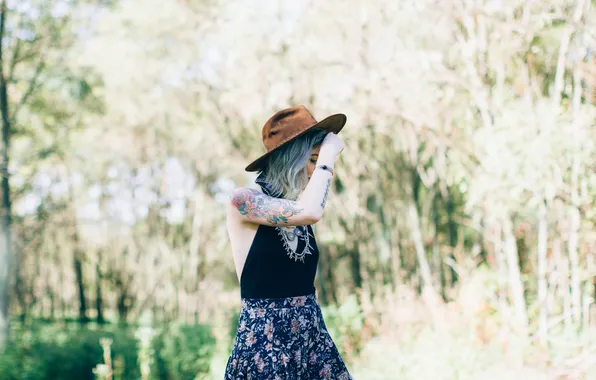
(281, 333)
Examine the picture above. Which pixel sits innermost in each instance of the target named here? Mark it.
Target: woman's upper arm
(256, 207)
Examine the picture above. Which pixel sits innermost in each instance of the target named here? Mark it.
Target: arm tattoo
(254, 204)
(326, 193)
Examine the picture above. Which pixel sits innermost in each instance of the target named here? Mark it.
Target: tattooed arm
(256, 207)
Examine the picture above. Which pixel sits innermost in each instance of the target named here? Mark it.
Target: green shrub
(51, 351)
(344, 322)
(233, 325)
(183, 352)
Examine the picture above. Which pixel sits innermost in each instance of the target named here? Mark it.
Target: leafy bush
(51, 351)
(183, 352)
(233, 325)
(344, 322)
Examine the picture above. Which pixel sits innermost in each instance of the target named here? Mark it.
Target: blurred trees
(468, 136)
(39, 95)
(469, 152)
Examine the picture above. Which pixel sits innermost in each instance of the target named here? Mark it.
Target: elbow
(314, 216)
(310, 214)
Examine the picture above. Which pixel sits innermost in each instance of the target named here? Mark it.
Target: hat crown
(285, 125)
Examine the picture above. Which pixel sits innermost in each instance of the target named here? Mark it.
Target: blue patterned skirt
(284, 339)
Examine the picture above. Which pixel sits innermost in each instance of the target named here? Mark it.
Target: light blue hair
(285, 171)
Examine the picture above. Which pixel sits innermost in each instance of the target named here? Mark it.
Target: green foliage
(55, 351)
(468, 122)
(233, 327)
(183, 352)
(344, 322)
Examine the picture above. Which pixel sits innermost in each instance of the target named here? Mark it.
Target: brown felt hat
(288, 124)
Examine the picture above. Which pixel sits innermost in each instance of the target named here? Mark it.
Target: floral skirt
(284, 339)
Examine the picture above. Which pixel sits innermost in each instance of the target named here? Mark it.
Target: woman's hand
(332, 144)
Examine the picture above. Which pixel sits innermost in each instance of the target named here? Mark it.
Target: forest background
(459, 240)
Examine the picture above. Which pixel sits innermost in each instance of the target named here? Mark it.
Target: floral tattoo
(254, 204)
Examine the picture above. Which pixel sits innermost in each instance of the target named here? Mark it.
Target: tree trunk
(356, 274)
(78, 268)
(416, 233)
(5, 213)
(52, 298)
(556, 272)
(396, 262)
(122, 301)
(586, 312)
(195, 262)
(98, 294)
(437, 257)
(429, 294)
(563, 50)
(542, 269)
(493, 232)
(574, 265)
(414, 224)
(78, 254)
(516, 285)
(450, 204)
(575, 219)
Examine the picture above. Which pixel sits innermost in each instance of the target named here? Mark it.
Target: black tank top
(272, 269)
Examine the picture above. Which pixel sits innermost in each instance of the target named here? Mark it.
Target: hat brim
(333, 123)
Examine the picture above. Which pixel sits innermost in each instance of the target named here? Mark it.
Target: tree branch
(15, 56)
(32, 87)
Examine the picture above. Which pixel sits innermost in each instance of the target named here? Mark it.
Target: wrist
(326, 168)
(326, 157)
